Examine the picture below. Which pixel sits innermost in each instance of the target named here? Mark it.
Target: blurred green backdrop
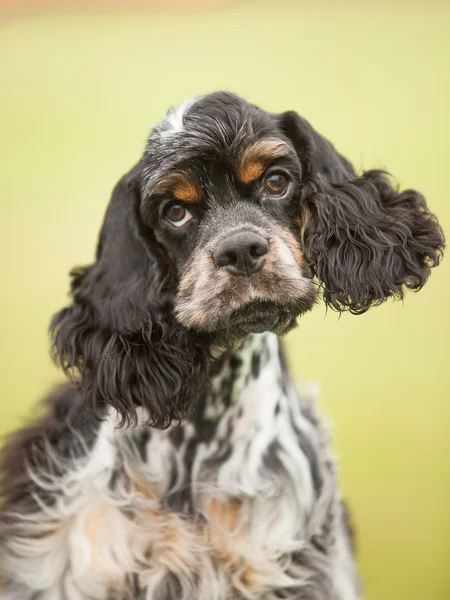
(78, 92)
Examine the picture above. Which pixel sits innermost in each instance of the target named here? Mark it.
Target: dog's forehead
(205, 128)
(213, 117)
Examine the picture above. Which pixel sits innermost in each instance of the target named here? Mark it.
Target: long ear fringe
(155, 368)
(367, 242)
(118, 341)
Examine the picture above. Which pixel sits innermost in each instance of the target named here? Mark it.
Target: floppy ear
(363, 239)
(118, 340)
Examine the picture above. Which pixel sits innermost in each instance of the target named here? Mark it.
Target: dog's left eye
(275, 184)
(177, 215)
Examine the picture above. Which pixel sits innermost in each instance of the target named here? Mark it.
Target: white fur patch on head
(172, 125)
(174, 120)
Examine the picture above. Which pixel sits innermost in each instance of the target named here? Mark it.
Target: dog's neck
(256, 435)
(234, 371)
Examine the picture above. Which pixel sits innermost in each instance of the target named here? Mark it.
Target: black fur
(118, 340)
(363, 239)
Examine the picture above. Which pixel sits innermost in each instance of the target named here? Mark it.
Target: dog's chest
(213, 509)
(249, 439)
(234, 488)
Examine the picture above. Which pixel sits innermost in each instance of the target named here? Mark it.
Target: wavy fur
(363, 239)
(118, 340)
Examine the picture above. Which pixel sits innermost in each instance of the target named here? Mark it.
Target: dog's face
(228, 225)
(221, 191)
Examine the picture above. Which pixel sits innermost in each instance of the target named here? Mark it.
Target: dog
(180, 462)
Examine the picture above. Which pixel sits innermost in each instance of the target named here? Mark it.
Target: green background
(78, 93)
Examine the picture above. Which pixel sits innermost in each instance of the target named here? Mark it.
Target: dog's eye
(275, 184)
(177, 215)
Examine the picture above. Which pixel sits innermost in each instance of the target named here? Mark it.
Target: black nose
(242, 253)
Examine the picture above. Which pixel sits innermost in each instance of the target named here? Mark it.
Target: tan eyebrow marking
(255, 158)
(180, 184)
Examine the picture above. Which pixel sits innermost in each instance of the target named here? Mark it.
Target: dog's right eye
(177, 215)
(275, 184)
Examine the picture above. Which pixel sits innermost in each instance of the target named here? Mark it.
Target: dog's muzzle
(244, 282)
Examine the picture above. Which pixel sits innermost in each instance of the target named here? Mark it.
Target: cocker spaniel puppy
(181, 463)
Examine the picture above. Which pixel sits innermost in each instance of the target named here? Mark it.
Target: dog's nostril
(259, 249)
(232, 258)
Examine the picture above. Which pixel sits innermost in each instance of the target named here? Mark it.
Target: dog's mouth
(230, 317)
(257, 317)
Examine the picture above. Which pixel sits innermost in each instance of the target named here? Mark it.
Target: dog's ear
(363, 239)
(118, 340)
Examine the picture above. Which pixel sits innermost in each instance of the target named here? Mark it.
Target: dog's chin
(256, 317)
(226, 327)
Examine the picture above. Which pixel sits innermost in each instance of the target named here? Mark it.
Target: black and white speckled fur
(222, 485)
(253, 442)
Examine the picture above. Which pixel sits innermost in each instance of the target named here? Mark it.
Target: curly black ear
(363, 239)
(119, 340)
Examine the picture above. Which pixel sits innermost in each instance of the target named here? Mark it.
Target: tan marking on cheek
(200, 301)
(199, 270)
(293, 246)
(282, 275)
(255, 158)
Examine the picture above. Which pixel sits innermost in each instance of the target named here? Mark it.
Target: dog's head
(229, 224)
